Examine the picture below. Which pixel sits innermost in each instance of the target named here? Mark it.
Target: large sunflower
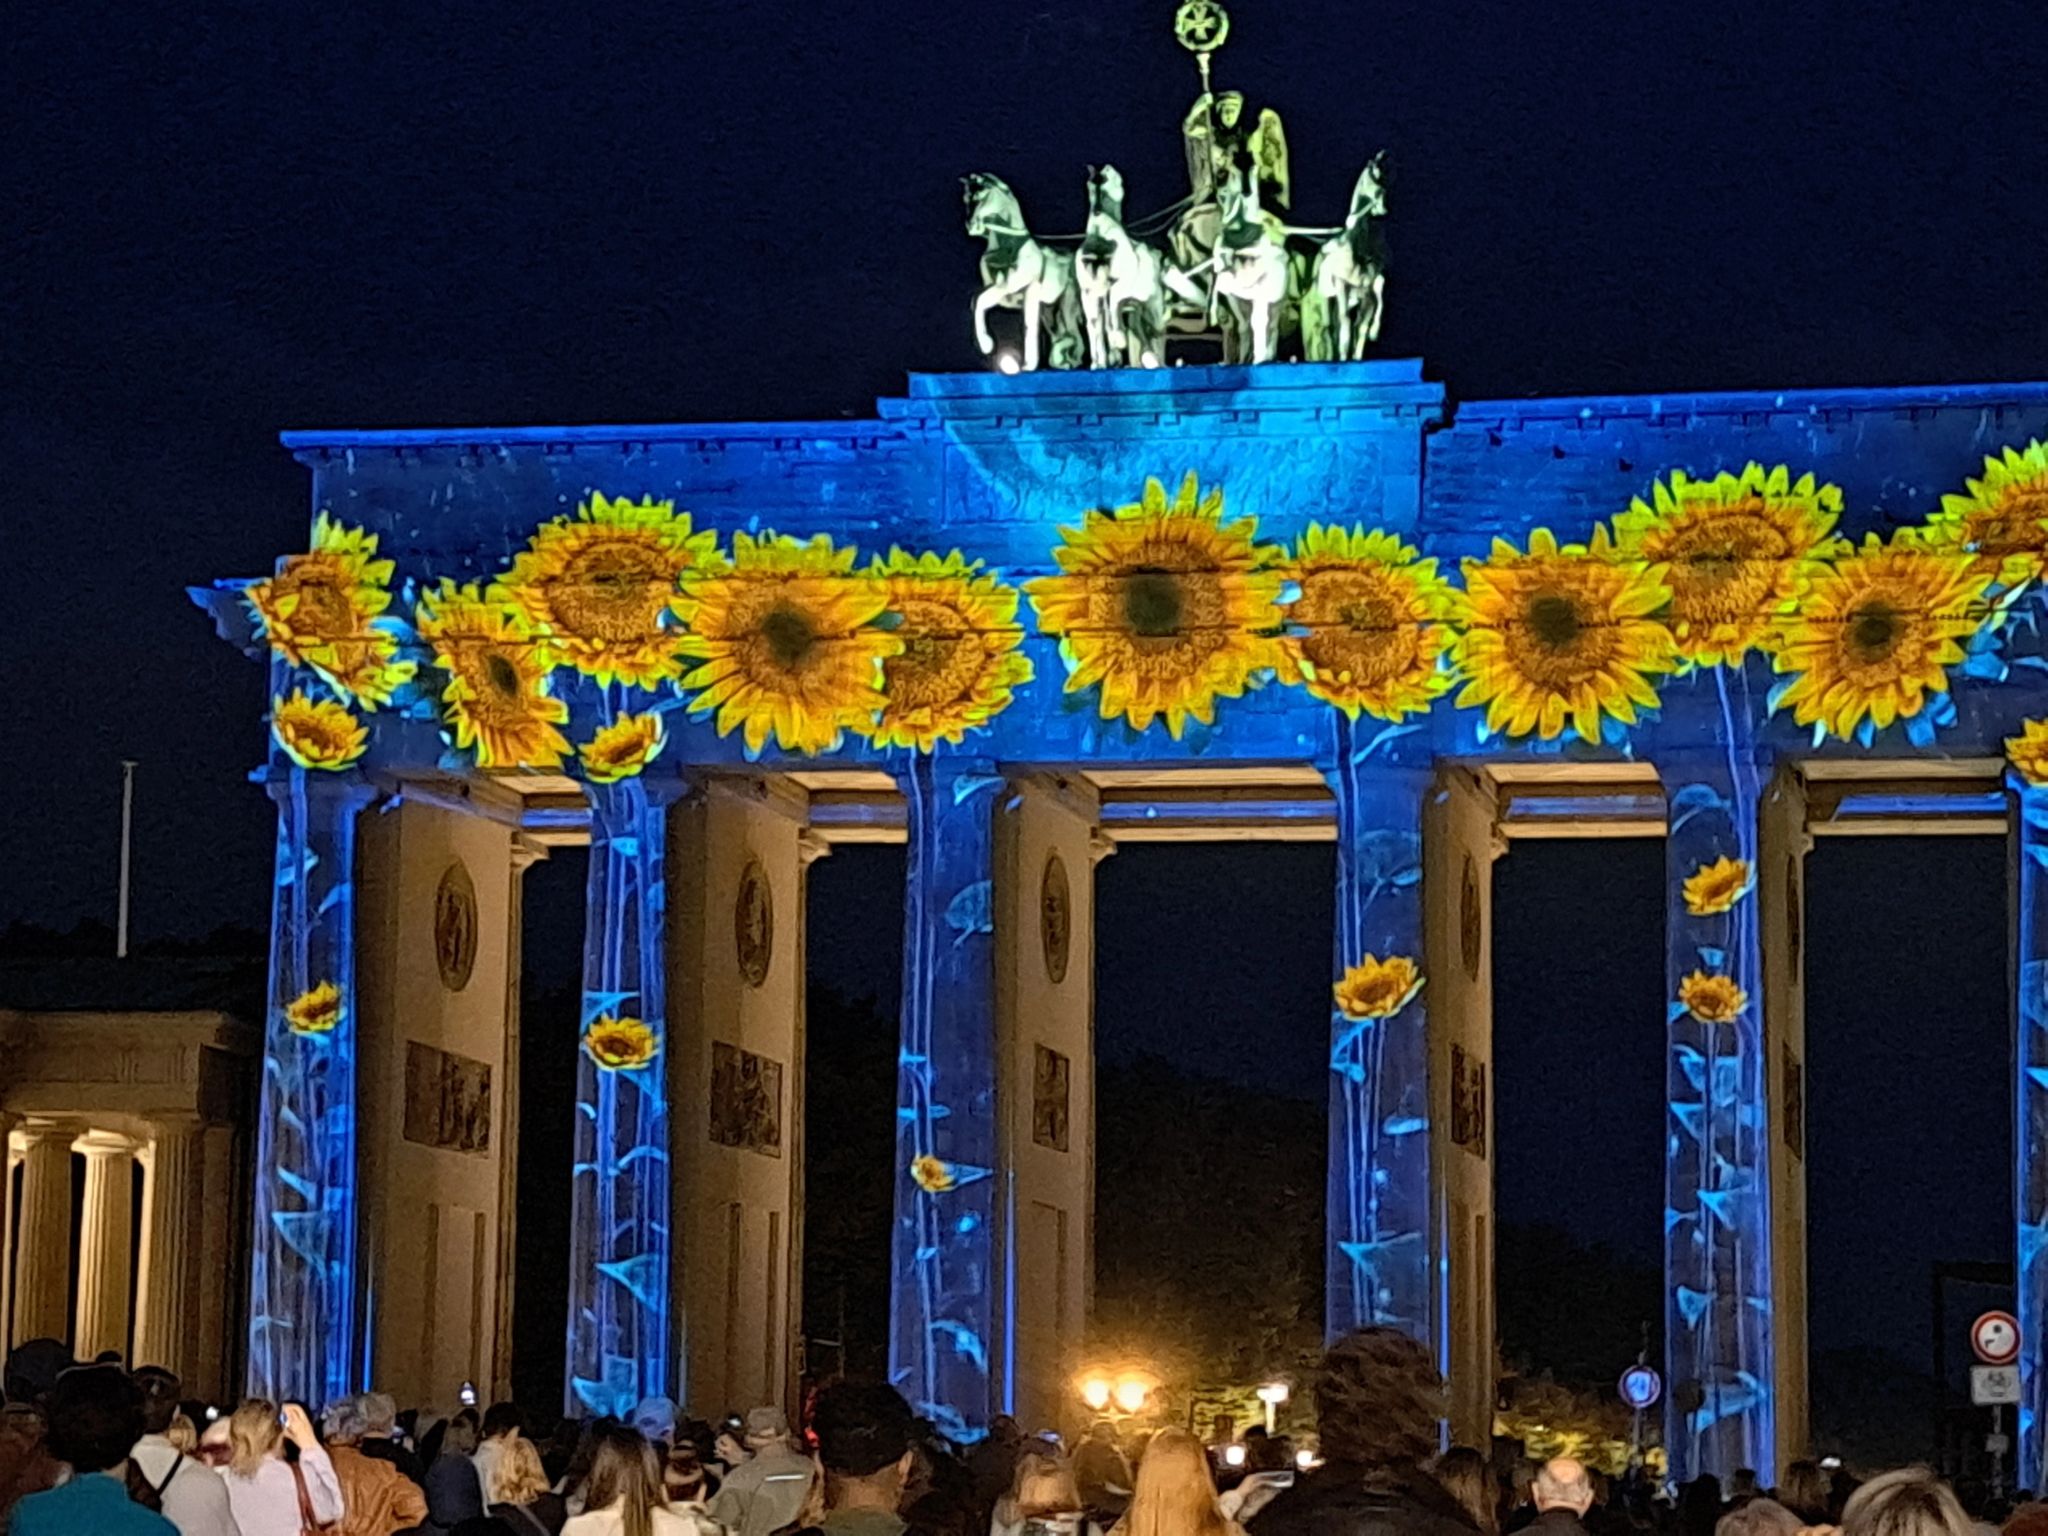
(316, 733)
(1739, 550)
(1558, 637)
(321, 610)
(960, 665)
(496, 697)
(786, 642)
(1877, 634)
(600, 586)
(2003, 518)
(1164, 605)
(1367, 632)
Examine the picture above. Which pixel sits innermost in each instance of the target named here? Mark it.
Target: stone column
(1381, 1201)
(620, 1331)
(1719, 1327)
(42, 1266)
(303, 1291)
(106, 1250)
(9, 1160)
(525, 855)
(164, 1319)
(943, 1271)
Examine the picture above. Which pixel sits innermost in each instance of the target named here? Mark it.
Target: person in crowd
(1042, 1498)
(993, 1463)
(688, 1486)
(188, 1493)
(520, 1498)
(864, 1433)
(1699, 1506)
(730, 1447)
(26, 1465)
(655, 1418)
(182, 1434)
(454, 1491)
(1102, 1473)
(1175, 1495)
(1377, 1400)
(215, 1447)
(764, 1493)
(2027, 1519)
(381, 1440)
(1909, 1502)
(502, 1421)
(1562, 1493)
(1467, 1476)
(1268, 1469)
(95, 1418)
(623, 1496)
(939, 1497)
(1759, 1516)
(378, 1499)
(270, 1494)
(1518, 1510)
(577, 1477)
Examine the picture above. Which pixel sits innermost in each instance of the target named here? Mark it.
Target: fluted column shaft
(170, 1222)
(42, 1266)
(105, 1247)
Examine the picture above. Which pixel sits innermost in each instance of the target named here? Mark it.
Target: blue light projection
(1169, 570)
(621, 1333)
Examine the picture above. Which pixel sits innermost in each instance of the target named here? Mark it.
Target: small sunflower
(620, 1045)
(1556, 637)
(1716, 887)
(315, 1011)
(496, 697)
(1712, 999)
(933, 1175)
(1376, 988)
(1738, 550)
(320, 734)
(2028, 752)
(2003, 519)
(623, 748)
(321, 611)
(1876, 635)
(602, 585)
(1164, 605)
(786, 642)
(960, 665)
(1367, 632)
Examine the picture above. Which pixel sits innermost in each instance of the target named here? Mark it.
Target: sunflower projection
(1162, 606)
(786, 643)
(1557, 637)
(324, 611)
(2001, 521)
(497, 699)
(960, 664)
(1736, 551)
(1367, 628)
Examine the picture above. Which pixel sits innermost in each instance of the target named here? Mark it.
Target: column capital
(98, 1143)
(526, 853)
(811, 847)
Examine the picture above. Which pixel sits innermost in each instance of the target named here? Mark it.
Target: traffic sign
(1641, 1387)
(1994, 1386)
(1996, 1338)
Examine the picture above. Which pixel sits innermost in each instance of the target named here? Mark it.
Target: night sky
(224, 222)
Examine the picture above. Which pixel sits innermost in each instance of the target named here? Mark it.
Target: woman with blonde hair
(1909, 1502)
(270, 1495)
(1174, 1493)
(624, 1496)
(519, 1494)
(1042, 1496)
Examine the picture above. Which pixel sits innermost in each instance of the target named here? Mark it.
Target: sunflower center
(325, 610)
(612, 592)
(1554, 620)
(501, 674)
(1153, 602)
(789, 635)
(1725, 567)
(1359, 629)
(1874, 630)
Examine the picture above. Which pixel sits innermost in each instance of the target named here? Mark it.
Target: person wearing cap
(190, 1493)
(766, 1492)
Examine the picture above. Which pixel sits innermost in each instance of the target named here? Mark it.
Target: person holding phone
(270, 1494)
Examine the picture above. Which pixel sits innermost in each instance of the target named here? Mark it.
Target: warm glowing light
(1305, 1459)
(1233, 1455)
(1274, 1392)
(1006, 362)
(1131, 1392)
(1095, 1392)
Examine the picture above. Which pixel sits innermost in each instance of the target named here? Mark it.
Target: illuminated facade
(1011, 621)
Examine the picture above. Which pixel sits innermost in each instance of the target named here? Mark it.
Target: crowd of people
(99, 1450)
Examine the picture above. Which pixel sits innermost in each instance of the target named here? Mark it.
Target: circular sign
(1201, 26)
(455, 927)
(1055, 917)
(1641, 1387)
(1996, 1338)
(753, 924)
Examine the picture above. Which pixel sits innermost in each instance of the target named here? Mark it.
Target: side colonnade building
(1014, 621)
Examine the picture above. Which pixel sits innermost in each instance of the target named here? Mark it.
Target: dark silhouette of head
(1378, 1400)
(95, 1418)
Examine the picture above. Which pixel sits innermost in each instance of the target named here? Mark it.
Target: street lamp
(1273, 1394)
(1095, 1392)
(1131, 1392)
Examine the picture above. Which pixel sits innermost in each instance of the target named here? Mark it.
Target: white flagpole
(127, 843)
